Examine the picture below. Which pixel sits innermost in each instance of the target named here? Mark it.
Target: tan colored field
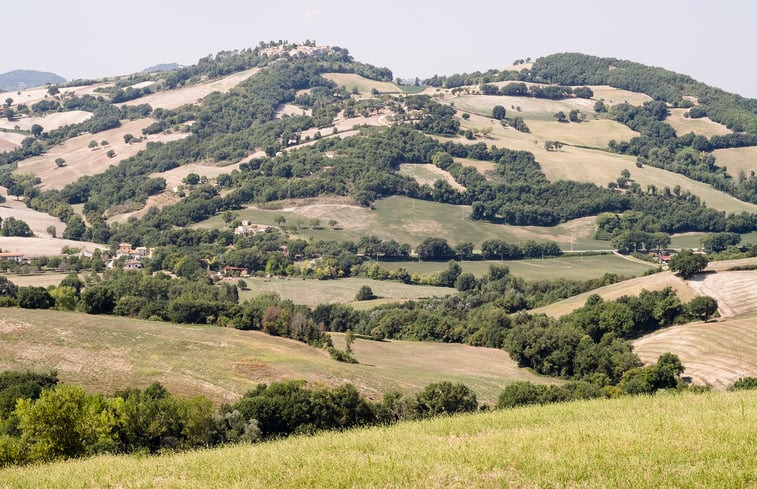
(736, 292)
(37, 246)
(704, 126)
(105, 353)
(531, 108)
(714, 353)
(34, 95)
(80, 160)
(599, 167)
(37, 280)
(172, 99)
(486, 168)
(48, 122)
(594, 133)
(289, 109)
(159, 201)
(630, 287)
(735, 160)
(37, 221)
(428, 174)
(175, 176)
(613, 96)
(10, 140)
(363, 85)
(313, 292)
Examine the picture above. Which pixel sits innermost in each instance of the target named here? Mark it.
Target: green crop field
(569, 267)
(363, 85)
(411, 221)
(314, 292)
(106, 353)
(687, 440)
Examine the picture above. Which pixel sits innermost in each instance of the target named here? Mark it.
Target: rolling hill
(637, 442)
(21, 79)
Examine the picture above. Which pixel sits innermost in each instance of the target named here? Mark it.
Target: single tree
(561, 117)
(365, 294)
(60, 162)
(36, 130)
(93, 144)
(688, 263)
(498, 112)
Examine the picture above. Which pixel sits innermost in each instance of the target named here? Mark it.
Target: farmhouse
(248, 228)
(125, 249)
(229, 271)
(133, 265)
(17, 257)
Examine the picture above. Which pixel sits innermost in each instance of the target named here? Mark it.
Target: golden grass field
(410, 221)
(363, 85)
(737, 160)
(48, 122)
(313, 292)
(172, 99)
(715, 353)
(597, 166)
(81, 160)
(428, 174)
(703, 126)
(613, 96)
(649, 442)
(633, 286)
(106, 353)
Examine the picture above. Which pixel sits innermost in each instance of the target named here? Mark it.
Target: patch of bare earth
(80, 160)
(172, 99)
(37, 221)
(43, 246)
(48, 122)
(714, 353)
(10, 140)
(289, 110)
(736, 292)
(630, 287)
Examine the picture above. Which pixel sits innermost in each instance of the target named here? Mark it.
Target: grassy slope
(363, 85)
(570, 267)
(411, 221)
(737, 160)
(707, 440)
(314, 292)
(105, 353)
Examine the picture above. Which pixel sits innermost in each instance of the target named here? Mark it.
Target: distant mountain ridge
(20, 79)
(162, 67)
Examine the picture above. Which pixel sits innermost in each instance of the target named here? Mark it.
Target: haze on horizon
(88, 39)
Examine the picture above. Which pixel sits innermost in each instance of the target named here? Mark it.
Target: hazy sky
(710, 41)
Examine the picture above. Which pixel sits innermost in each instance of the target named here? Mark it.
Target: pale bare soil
(736, 292)
(703, 126)
(429, 174)
(39, 246)
(159, 201)
(37, 221)
(81, 161)
(613, 96)
(10, 140)
(289, 109)
(48, 122)
(34, 95)
(714, 353)
(631, 287)
(735, 160)
(105, 353)
(171, 99)
(345, 127)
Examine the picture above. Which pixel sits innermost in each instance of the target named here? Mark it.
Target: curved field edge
(686, 440)
(107, 353)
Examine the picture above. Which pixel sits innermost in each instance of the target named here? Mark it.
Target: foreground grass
(707, 440)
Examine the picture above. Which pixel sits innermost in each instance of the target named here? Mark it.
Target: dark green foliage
(98, 299)
(435, 249)
(687, 263)
(665, 374)
(22, 385)
(498, 112)
(444, 398)
(524, 393)
(701, 307)
(717, 242)
(365, 294)
(288, 407)
(15, 227)
(583, 92)
(744, 383)
(34, 298)
(7, 288)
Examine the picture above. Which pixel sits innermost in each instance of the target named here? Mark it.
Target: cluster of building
(133, 256)
(248, 228)
(8, 256)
